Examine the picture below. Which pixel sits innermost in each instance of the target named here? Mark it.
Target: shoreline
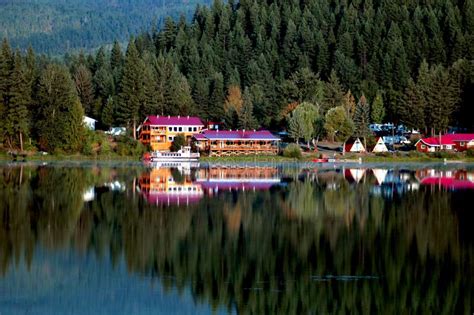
(307, 158)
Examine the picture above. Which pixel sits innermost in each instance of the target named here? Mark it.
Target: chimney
(179, 116)
(188, 116)
(169, 117)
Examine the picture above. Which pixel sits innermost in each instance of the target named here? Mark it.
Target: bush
(416, 154)
(127, 146)
(443, 155)
(292, 151)
(470, 153)
(178, 142)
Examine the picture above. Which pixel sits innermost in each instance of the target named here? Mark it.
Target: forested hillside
(251, 64)
(57, 26)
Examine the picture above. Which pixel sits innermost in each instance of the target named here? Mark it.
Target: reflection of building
(238, 142)
(214, 179)
(159, 186)
(354, 174)
(159, 131)
(448, 179)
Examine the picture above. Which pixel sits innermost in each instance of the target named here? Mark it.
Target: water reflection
(269, 239)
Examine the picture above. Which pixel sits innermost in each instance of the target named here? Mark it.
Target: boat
(325, 160)
(182, 155)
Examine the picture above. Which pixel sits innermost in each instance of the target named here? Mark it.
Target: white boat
(183, 155)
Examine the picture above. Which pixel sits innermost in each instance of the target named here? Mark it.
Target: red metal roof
(173, 121)
(238, 135)
(448, 139)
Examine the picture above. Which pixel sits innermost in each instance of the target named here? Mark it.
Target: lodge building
(159, 132)
(237, 142)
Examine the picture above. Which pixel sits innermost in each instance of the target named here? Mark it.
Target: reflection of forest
(258, 251)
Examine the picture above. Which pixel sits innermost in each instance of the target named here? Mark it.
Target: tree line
(316, 68)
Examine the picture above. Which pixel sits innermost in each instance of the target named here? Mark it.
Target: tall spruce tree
(59, 122)
(377, 112)
(132, 89)
(20, 100)
(362, 117)
(246, 116)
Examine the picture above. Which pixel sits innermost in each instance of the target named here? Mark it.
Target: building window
(170, 128)
(170, 139)
(180, 129)
(194, 128)
(462, 143)
(423, 146)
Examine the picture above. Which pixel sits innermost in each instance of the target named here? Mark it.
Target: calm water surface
(253, 239)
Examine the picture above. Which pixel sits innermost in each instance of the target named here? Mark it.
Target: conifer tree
(247, 119)
(377, 111)
(20, 101)
(333, 93)
(84, 87)
(362, 117)
(59, 120)
(132, 89)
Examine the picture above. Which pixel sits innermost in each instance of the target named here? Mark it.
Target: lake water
(112, 238)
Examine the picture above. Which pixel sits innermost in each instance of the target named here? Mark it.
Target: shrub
(127, 146)
(416, 154)
(470, 153)
(178, 142)
(292, 151)
(444, 155)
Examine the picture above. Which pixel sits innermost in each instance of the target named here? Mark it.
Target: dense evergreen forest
(57, 26)
(276, 64)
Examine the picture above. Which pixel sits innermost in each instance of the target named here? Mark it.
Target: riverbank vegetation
(319, 69)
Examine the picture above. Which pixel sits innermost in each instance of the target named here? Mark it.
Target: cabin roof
(174, 121)
(237, 135)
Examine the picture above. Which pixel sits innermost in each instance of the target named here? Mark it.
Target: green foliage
(302, 121)
(59, 121)
(377, 111)
(127, 146)
(470, 153)
(292, 150)
(362, 118)
(178, 142)
(337, 125)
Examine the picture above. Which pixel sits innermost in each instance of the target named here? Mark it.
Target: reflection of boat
(184, 154)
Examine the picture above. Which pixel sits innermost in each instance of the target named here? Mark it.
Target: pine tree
(85, 90)
(20, 100)
(377, 112)
(132, 89)
(333, 93)
(59, 121)
(362, 117)
(107, 117)
(412, 109)
(247, 119)
(349, 104)
(6, 70)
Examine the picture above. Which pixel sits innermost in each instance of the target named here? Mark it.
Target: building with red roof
(450, 142)
(159, 132)
(237, 142)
